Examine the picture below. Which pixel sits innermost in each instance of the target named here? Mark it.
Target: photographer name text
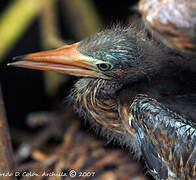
(71, 173)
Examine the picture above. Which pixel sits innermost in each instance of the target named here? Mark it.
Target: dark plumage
(118, 64)
(166, 139)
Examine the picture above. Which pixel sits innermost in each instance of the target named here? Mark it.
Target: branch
(6, 155)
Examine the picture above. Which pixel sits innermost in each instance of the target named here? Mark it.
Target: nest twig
(79, 155)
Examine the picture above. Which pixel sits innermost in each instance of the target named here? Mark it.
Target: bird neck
(94, 99)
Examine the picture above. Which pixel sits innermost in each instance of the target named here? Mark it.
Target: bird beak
(66, 59)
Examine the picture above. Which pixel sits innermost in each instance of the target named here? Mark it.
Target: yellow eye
(104, 66)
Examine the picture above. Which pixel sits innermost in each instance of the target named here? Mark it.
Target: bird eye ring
(104, 66)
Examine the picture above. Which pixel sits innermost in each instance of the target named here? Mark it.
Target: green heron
(135, 91)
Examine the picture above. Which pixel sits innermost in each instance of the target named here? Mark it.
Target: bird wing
(167, 141)
(154, 162)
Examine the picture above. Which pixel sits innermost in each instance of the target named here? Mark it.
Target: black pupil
(104, 66)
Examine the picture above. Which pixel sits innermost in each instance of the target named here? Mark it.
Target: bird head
(109, 54)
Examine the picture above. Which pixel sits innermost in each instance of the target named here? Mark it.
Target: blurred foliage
(15, 20)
